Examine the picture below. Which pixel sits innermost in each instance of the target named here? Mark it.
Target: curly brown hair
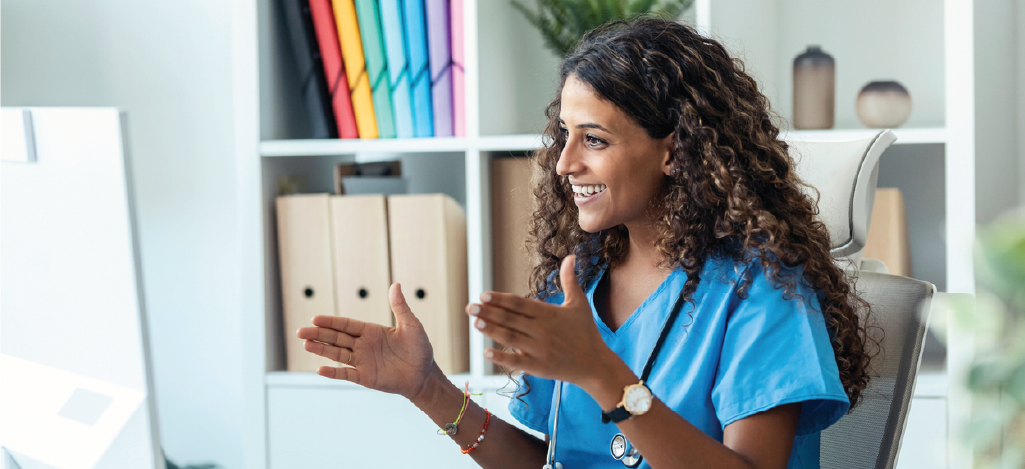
(732, 190)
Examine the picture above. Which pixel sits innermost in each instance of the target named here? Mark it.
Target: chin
(592, 226)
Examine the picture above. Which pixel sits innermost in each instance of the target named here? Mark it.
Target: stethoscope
(619, 447)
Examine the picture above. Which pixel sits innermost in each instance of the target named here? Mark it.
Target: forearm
(663, 437)
(504, 445)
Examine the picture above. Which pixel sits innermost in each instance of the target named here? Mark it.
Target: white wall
(1020, 32)
(168, 64)
(997, 93)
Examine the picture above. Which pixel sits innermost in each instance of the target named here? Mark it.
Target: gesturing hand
(390, 359)
(552, 341)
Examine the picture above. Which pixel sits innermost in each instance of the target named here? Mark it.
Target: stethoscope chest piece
(623, 452)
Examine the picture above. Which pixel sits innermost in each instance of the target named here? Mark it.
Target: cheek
(636, 189)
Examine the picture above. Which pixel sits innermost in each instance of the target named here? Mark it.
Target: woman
(664, 188)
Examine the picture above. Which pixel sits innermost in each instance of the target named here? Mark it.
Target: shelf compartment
(331, 147)
(870, 40)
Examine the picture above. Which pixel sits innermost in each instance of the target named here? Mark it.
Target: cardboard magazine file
(307, 277)
(360, 242)
(428, 257)
(888, 232)
(510, 213)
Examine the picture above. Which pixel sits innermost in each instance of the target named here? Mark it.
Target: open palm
(389, 359)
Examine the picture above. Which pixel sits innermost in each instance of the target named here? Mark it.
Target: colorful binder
(334, 70)
(458, 74)
(352, 55)
(398, 66)
(377, 65)
(314, 87)
(441, 66)
(419, 68)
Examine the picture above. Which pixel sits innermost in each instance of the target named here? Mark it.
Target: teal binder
(377, 65)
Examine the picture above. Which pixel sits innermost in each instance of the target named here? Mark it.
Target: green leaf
(638, 7)
(563, 22)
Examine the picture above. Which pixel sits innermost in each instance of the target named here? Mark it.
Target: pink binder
(458, 74)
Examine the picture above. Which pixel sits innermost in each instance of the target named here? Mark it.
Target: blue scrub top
(725, 359)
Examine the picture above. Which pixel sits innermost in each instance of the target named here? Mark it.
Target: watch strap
(616, 415)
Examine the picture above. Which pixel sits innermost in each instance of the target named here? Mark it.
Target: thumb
(399, 307)
(568, 275)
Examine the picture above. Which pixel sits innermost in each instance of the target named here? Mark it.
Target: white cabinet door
(345, 427)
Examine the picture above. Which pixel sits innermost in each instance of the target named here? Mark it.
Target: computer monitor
(76, 390)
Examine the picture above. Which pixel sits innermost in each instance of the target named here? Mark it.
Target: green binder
(377, 65)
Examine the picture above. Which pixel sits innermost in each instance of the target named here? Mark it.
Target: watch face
(637, 400)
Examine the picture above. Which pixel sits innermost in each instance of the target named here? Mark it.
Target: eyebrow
(587, 126)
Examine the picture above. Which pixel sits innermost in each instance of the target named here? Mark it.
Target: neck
(641, 253)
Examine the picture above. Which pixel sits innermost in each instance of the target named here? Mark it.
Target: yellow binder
(355, 67)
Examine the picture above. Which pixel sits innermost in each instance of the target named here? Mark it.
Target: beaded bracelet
(479, 438)
(451, 428)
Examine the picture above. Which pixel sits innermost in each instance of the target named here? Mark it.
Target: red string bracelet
(479, 438)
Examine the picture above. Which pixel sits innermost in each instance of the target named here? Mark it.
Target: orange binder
(355, 67)
(307, 278)
(428, 257)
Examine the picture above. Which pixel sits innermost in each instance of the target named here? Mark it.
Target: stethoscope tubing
(550, 458)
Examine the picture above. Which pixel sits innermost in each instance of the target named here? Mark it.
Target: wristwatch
(636, 401)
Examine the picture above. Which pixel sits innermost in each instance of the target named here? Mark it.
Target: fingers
(510, 360)
(510, 302)
(353, 327)
(499, 316)
(339, 354)
(343, 373)
(568, 276)
(327, 336)
(505, 335)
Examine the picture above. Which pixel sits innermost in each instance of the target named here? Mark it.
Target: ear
(668, 144)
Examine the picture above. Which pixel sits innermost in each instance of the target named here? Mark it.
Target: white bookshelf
(509, 80)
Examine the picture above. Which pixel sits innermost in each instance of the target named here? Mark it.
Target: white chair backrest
(845, 174)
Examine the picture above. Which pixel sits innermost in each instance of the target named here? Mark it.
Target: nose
(569, 160)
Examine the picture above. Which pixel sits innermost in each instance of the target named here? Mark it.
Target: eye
(564, 133)
(595, 142)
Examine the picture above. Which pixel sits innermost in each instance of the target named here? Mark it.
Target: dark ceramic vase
(814, 89)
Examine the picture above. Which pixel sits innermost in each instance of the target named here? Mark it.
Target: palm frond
(563, 22)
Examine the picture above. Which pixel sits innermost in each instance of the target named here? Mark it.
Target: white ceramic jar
(883, 105)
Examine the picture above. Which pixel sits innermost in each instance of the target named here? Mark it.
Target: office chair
(845, 173)
(870, 436)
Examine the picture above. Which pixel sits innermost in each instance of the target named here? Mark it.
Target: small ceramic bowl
(883, 105)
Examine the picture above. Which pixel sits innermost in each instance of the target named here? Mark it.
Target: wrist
(431, 389)
(606, 385)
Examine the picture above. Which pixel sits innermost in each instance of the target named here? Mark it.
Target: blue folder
(419, 67)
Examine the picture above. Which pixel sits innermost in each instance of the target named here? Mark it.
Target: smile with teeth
(588, 190)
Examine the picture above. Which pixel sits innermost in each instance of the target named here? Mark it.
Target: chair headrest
(845, 174)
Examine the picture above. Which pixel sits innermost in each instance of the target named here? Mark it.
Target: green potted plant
(563, 22)
(996, 376)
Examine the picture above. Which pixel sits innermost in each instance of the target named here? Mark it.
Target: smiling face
(614, 166)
